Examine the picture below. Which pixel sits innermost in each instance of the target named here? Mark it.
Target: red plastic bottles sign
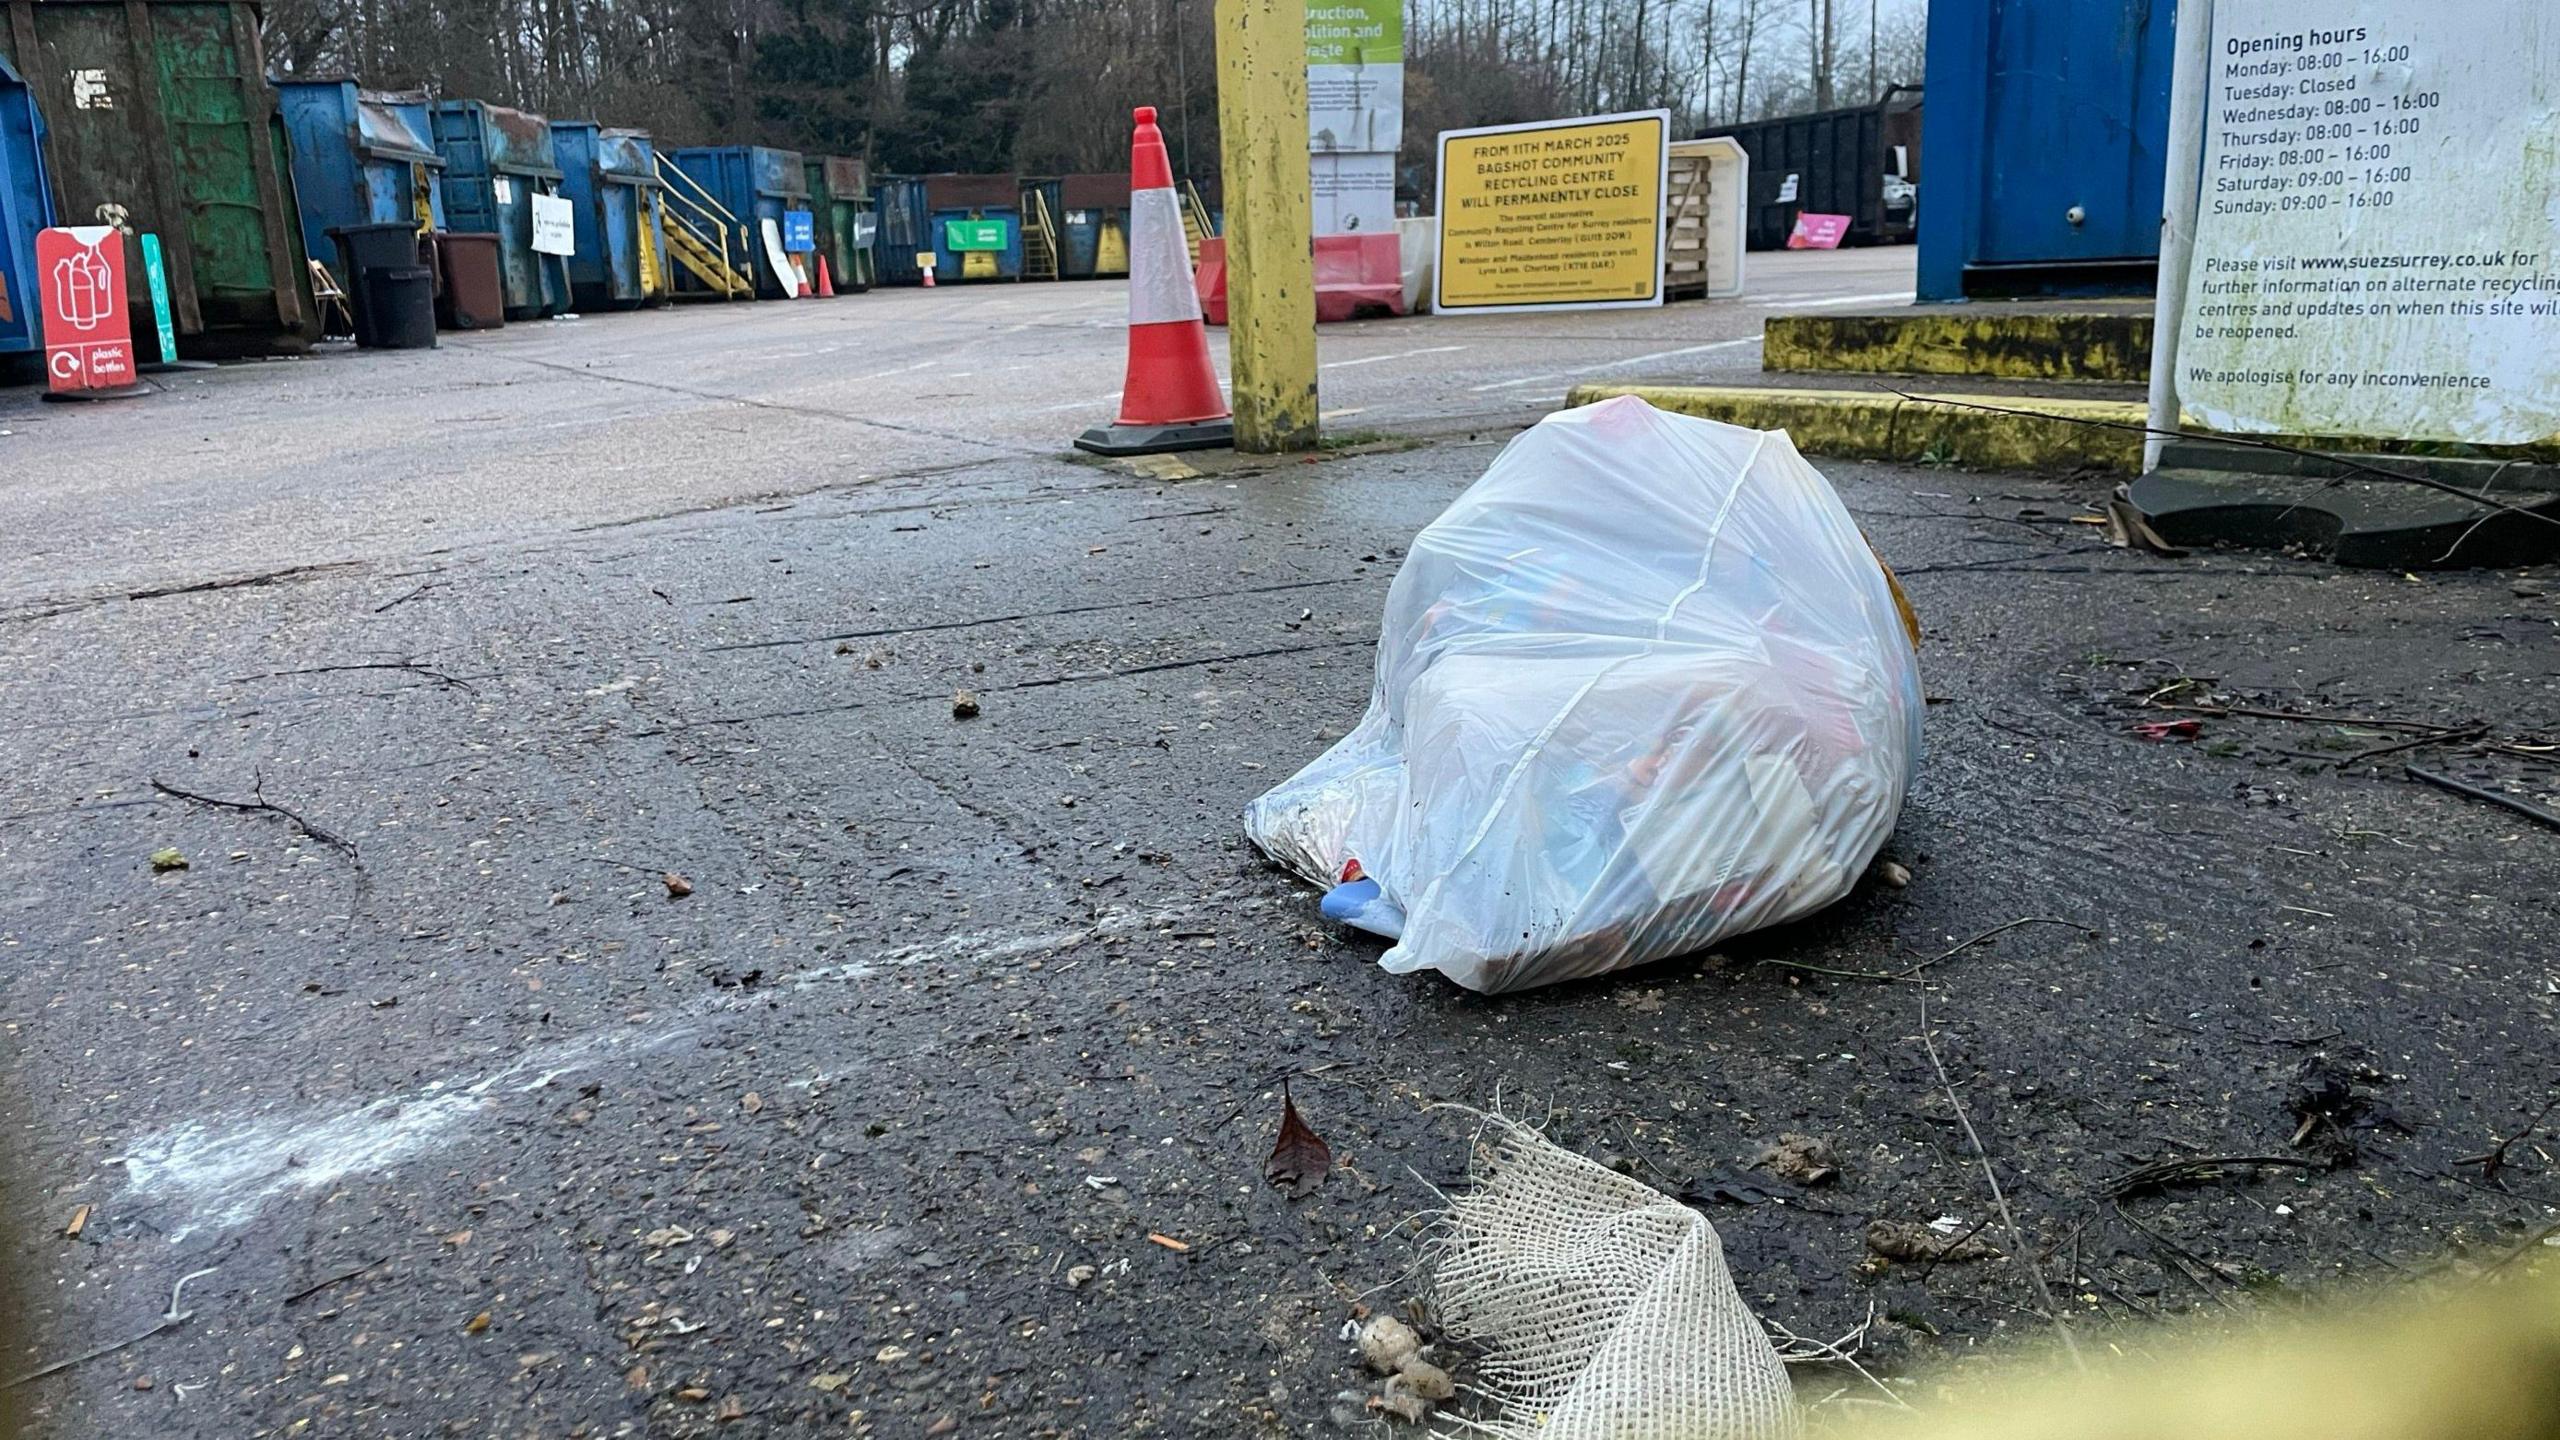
(88, 327)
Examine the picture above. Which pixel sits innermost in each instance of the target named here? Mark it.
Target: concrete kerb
(2021, 343)
(2063, 434)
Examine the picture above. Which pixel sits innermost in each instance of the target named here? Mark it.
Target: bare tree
(1045, 86)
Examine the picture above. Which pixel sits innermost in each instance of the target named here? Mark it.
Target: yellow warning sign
(1553, 215)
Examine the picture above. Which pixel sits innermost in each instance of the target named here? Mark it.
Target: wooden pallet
(1684, 248)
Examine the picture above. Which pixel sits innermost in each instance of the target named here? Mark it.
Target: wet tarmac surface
(938, 1103)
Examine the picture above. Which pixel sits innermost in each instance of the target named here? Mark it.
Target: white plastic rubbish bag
(1642, 687)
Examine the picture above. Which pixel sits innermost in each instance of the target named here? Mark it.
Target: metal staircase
(704, 240)
(1039, 237)
(1195, 220)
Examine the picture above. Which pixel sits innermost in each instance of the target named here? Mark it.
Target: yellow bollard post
(1270, 234)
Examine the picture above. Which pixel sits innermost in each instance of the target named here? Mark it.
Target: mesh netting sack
(1602, 1307)
(1641, 687)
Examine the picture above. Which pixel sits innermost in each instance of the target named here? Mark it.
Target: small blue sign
(799, 231)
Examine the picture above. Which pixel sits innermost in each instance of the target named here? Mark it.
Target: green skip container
(160, 120)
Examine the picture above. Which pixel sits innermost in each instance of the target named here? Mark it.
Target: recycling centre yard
(625, 875)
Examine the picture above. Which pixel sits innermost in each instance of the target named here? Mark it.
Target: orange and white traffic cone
(1170, 400)
(928, 270)
(825, 290)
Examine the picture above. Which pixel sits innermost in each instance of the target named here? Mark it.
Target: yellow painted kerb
(1983, 432)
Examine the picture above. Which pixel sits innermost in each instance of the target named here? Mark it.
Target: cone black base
(1158, 439)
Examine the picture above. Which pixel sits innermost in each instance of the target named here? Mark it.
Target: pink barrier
(1355, 275)
(1209, 277)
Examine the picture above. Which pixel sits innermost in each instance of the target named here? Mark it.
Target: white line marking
(1881, 297)
(1399, 355)
(901, 370)
(1085, 404)
(218, 1174)
(222, 1175)
(1612, 365)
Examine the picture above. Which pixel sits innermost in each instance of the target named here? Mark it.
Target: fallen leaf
(1802, 1159)
(1168, 1242)
(694, 1393)
(1906, 1241)
(731, 1408)
(943, 1426)
(1427, 1380)
(751, 1102)
(1387, 1343)
(1299, 1158)
(458, 1237)
(678, 887)
(79, 1222)
(2169, 729)
(830, 1382)
(1402, 1404)
(168, 858)
(476, 1323)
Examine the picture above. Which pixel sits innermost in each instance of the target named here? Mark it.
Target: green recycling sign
(973, 235)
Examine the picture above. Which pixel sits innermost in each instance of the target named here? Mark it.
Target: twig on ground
(2495, 1159)
(2303, 717)
(1797, 1349)
(626, 865)
(1999, 1201)
(405, 599)
(1908, 971)
(169, 1320)
(316, 1286)
(411, 667)
(2441, 737)
(2532, 1242)
(2485, 516)
(2098, 1279)
(2525, 808)
(260, 802)
(2547, 754)
(2184, 1256)
(1953, 1245)
(2161, 1174)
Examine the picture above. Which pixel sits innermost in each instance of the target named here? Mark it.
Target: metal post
(1262, 140)
(2190, 80)
(1182, 88)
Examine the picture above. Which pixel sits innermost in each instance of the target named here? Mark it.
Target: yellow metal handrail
(1046, 228)
(687, 193)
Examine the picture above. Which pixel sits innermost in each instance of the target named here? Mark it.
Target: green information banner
(1355, 32)
(973, 234)
(1355, 112)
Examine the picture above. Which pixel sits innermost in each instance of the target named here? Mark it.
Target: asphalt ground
(556, 424)
(884, 1125)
